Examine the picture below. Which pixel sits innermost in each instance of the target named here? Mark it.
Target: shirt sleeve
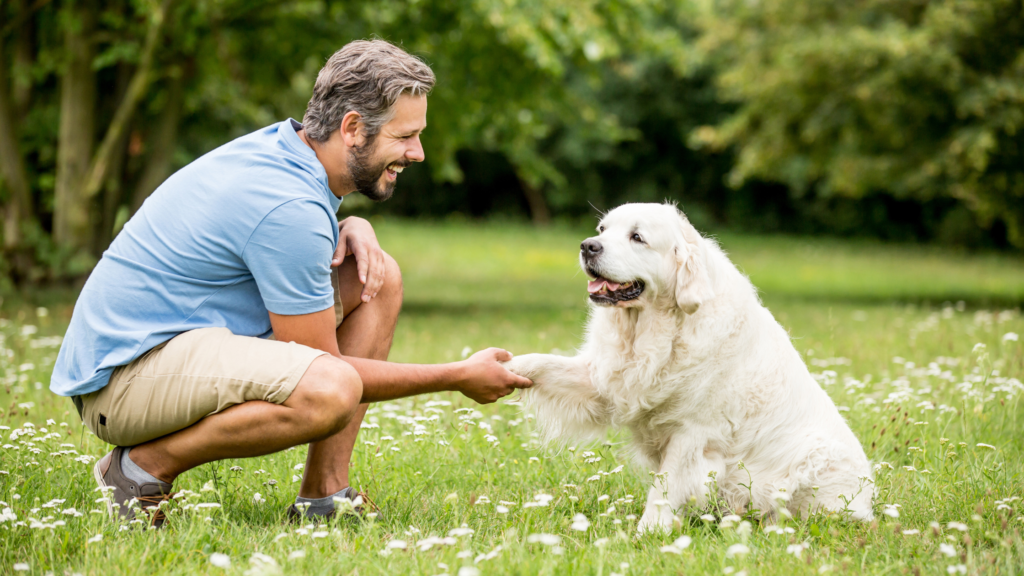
(289, 255)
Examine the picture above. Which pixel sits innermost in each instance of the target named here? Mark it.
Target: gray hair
(365, 76)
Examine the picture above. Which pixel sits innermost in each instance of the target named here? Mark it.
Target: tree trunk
(18, 207)
(162, 142)
(24, 56)
(113, 195)
(97, 172)
(539, 211)
(75, 141)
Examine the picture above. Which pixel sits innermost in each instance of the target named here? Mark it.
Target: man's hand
(484, 380)
(356, 237)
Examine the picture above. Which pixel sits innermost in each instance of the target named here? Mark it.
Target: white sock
(134, 473)
(320, 506)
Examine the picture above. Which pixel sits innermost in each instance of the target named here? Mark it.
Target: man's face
(374, 167)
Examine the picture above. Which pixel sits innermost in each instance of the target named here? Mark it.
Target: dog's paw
(528, 366)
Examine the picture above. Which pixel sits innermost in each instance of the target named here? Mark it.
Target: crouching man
(168, 355)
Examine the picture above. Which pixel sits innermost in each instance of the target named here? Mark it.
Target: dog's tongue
(594, 286)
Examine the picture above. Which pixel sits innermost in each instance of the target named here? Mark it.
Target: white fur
(705, 379)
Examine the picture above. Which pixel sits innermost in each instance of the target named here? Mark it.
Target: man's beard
(366, 172)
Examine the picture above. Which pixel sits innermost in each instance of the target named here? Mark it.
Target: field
(919, 348)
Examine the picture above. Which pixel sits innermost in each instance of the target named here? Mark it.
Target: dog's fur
(703, 376)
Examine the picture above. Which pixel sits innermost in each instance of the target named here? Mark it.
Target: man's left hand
(357, 238)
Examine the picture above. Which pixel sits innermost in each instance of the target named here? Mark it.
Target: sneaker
(359, 503)
(149, 496)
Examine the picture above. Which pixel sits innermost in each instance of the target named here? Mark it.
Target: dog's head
(645, 253)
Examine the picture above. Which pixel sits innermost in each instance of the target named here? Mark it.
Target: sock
(320, 506)
(134, 473)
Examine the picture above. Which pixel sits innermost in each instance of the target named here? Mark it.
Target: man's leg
(366, 332)
(323, 403)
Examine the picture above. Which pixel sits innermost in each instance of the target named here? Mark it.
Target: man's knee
(392, 287)
(327, 395)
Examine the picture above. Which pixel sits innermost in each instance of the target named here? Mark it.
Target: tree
(919, 99)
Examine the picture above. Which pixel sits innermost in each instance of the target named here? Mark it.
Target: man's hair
(365, 76)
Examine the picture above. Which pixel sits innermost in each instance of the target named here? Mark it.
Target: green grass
(853, 310)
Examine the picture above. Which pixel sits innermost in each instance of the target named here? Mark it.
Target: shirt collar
(290, 137)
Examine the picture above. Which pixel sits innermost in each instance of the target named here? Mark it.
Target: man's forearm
(390, 380)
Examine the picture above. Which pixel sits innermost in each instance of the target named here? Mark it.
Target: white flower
(482, 500)
(600, 542)
(262, 565)
(220, 560)
(708, 518)
(258, 498)
(453, 497)
(396, 545)
(989, 446)
(797, 549)
(501, 509)
(321, 534)
(891, 511)
(21, 567)
(580, 523)
(947, 550)
(911, 532)
(957, 526)
(736, 550)
(95, 539)
(1010, 337)
(956, 568)
(468, 571)
(296, 554)
(727, 521)
(678, 546)
(460, 532)
(545, 539)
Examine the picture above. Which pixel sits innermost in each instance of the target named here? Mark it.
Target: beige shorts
(191, 376)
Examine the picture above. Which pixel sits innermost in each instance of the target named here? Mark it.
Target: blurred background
(896, 120)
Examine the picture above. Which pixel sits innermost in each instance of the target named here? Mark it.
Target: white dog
(680, 351)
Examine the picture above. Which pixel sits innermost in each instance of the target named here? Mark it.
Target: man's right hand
(484, 379)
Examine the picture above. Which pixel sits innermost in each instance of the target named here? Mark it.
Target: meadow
(919, 347)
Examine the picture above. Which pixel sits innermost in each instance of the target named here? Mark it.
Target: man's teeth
(395, 168)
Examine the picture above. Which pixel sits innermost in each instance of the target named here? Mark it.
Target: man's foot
(109, 474)
(309, 512)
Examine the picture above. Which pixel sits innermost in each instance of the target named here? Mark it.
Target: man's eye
(636, 238)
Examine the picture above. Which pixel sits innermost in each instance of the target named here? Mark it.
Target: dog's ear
(693, 285)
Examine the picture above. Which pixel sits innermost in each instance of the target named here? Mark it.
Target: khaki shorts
(191, 376)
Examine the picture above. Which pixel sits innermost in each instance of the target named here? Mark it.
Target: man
(164, 356)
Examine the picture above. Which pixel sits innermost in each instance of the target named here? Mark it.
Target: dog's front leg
(564, 399)
(683, 479)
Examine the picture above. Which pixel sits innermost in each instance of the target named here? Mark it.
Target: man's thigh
(191, 376)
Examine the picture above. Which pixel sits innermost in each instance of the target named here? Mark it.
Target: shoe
(149, 496)
(359, 503)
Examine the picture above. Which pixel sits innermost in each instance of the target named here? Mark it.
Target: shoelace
(157, 516)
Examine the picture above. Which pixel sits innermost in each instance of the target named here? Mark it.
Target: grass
(892, 333)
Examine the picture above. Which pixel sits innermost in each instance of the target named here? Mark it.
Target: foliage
(923, 398)
(920, 99)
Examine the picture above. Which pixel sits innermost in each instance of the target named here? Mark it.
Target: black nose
(590, 248)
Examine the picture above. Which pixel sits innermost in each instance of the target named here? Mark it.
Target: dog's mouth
(605, 291)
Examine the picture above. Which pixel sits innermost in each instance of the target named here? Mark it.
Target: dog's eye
(600, 229)
(636, 238)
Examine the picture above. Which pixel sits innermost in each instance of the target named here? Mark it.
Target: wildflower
(797, 549)
(600, 542)
(21, 567)
(501, 509)
(489, 556)
(220, 560)
(453, 497)
(727, 521)
(482, 500)
(956, 569)
(678, 546)
(263, 564)
(296, 554)
(580, 523)
(396, 545)
(708, 518)
(891, 511)
(545, 539)
(1010, 337)
(736, 550)
(957, 526)
(463, 531)
(258, 498)
(468, 571)
(989, 446)
(95, 539)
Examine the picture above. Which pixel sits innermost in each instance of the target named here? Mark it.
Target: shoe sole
(102, 484)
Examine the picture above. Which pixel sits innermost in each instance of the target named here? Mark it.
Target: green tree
(919, 99)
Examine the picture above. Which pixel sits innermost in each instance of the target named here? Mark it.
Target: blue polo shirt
(247, 228)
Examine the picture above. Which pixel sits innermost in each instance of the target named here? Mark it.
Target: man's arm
(479, 377)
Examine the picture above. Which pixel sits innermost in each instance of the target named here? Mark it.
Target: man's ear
(693, 285)
(352, 128)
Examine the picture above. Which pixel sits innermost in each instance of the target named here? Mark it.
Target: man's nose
(415, 150)
(590, 248)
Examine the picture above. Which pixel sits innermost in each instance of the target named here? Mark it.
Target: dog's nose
(590, 248)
